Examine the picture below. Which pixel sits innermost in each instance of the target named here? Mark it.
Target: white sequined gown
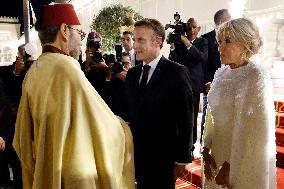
(240, 126)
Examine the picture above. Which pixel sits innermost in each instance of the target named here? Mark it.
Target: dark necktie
(144, 78)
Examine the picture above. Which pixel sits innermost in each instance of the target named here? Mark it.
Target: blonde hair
(244, 31)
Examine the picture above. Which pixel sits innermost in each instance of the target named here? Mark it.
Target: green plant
(108, 23)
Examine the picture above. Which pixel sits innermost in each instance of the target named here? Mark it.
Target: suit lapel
(196, 42)
(157, 72)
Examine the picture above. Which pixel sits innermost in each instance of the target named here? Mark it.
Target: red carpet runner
(180, 184)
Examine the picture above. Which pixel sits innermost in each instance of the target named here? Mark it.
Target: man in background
(66, 136)
(213, 62)
(127, 43)
(192, 52)
(8, 155)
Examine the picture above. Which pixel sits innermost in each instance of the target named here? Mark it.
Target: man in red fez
(66, 136)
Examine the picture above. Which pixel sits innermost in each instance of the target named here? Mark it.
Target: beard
(74, 46)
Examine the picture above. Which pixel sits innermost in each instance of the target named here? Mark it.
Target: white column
(26, 14)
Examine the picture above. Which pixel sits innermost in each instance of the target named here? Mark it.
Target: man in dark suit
(127, 43)
(213, 62)
(7, 152)
(193, 53)
(160, 110)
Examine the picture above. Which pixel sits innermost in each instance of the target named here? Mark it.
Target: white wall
(9, 33)
(165, 9)
(254, 5)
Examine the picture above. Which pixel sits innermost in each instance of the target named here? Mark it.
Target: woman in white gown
(239, 144)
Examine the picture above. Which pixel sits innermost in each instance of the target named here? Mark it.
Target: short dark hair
(48, 34)
(127, 32)
(218, 15)
(153, 24)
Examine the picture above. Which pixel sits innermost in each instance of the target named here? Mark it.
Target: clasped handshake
(220, 175)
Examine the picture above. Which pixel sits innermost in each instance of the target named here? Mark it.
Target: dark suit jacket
(161, 116)
(12, 83)
(213, 62)
(194, 59)
(7, 128)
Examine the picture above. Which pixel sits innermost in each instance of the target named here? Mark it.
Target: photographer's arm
(200, 54)
(19, 66)
(186, 42)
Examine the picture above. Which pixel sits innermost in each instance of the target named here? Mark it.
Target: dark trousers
(196, 100)
(204, 109)
(9, 157)
(155, 176)
(153, 171)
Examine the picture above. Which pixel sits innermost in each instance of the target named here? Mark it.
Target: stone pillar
(26, 15)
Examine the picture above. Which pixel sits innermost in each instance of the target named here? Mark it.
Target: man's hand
(222, 177)
(172, 46)
(2, 144)
(185, 41)
(178, 171)
(101, 65)
(19, 66)
(210, 166)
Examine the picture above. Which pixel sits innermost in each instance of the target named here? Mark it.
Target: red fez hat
(56, 14)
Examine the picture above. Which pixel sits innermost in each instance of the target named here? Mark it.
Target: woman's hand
(210, 166)
(222, 177)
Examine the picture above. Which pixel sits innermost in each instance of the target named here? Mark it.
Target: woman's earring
(242, 56)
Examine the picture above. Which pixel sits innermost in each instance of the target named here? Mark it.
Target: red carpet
(280, 178)
(280, 136)
(193, 173)
(279, 119)
(180, 184)
(279, 105)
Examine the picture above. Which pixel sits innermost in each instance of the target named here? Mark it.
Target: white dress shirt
(153, 65)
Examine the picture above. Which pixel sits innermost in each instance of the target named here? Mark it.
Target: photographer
(192, 51)
(94, 67)
(14, 75)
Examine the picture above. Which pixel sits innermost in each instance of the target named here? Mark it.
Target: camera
(109, 58)
(94, 44)
(180, 28)
(97, 56)
(27, 61)
(118, 52)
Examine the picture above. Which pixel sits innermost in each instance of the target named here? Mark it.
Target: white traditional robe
(66, 136)
(240, 126)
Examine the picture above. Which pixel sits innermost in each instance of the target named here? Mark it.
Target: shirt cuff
(15, 73)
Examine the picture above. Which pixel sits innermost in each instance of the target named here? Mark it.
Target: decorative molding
(12, 20)
(272, 10)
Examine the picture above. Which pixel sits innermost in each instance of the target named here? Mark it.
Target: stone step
(279, 119)
(280, 136)
(280, 156)
(193, 173)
